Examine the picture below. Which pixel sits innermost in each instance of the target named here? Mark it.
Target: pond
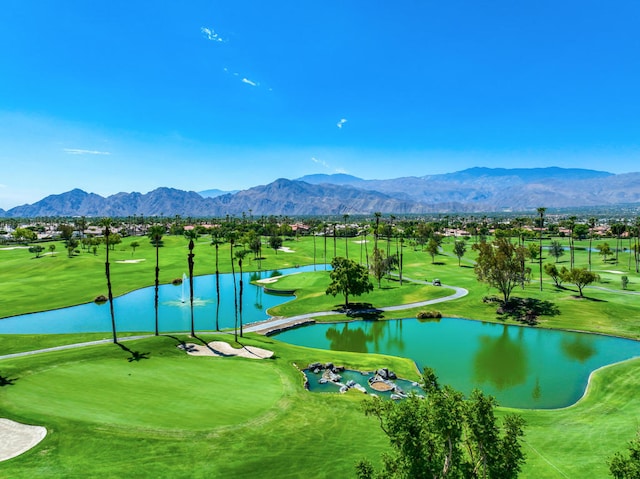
(522, 367)
(135, 311)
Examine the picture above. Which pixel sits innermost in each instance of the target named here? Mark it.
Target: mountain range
(470, 190)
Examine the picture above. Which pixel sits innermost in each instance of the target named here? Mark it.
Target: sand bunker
(267, 280)
(286, 249)
(131, 261)
(13, 247)
(220, 348)
(16, 438)
(381, 386)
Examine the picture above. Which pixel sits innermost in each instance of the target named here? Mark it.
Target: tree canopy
(442, 435)
(622, 466)
(500, 264)
(348, 278)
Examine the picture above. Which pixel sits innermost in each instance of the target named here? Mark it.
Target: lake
(135, 311)
(521, 366)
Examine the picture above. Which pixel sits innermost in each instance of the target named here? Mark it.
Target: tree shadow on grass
(5, 381)
(135, 355)
(213, 350)
(364, 311)
(527, 310)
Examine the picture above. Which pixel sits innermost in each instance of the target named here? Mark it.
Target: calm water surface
(521, 367)
(135, 311)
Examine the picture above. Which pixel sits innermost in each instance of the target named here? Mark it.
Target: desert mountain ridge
(470, 190)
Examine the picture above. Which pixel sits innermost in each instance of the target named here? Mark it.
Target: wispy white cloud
(320, 162)
(210, 34)
(327, 166)
(249, 82)
(341, 122)
(77, 151)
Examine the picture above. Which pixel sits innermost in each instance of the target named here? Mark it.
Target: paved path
(262, 327)
(277, 323)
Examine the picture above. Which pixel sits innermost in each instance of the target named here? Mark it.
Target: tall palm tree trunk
(240, 299)
(217, 291)
(107, 271)
(190, 262)
(157, 285)
(235, 297)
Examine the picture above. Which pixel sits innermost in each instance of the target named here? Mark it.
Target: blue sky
(111, 96)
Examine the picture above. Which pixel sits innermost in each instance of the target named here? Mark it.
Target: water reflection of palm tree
(376, 330)
(397, 340)
(501, 361)
(349, 339)
(536, 393)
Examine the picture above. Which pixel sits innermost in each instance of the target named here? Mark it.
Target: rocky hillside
(472, 190)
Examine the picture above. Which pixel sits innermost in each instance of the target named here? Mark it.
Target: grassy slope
(303, 430)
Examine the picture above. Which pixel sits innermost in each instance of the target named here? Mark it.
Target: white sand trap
(14, 247)
(267, 280)
(612, 271)
(131, 261)
(220, 348)
(16, 438)
(361, 241)
(286, 249)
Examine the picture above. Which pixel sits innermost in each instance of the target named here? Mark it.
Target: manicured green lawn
(311, 297)
(171, 415)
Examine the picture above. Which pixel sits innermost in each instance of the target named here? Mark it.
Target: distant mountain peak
(471, 190)
(334, 179)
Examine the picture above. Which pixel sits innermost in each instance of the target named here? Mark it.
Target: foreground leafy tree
(627, 467)
(500, 264)
(348, 278)
(445, 436)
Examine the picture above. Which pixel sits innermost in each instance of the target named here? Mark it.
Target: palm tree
(346, 243)
(541, 213)
(312, 230)
(155, 235)
(572, 224)
(592, 225)
(240, 256)
(231, 237)
(106, 223)
(216, 241)
(377, 214)
(324, 235)
(191, 235)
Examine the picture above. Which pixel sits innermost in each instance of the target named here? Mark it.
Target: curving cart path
(261, 327)
(282, 323)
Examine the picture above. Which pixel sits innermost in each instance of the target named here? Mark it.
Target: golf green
(164, 393)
